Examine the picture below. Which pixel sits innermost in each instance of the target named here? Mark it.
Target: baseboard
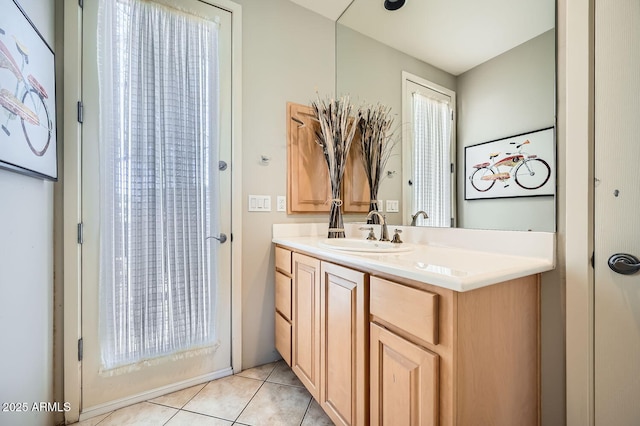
(154, 393)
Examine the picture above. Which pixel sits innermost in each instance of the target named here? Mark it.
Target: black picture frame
(522, 165)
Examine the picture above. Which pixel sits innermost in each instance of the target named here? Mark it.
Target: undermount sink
(363, 246)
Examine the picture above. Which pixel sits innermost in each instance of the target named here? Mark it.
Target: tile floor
(269, 395)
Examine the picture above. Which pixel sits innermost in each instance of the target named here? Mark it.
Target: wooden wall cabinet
(308, 187)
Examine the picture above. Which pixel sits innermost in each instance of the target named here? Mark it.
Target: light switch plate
(392, 206)
(259, 203)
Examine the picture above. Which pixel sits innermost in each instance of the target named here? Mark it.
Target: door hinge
(80, 349)
(453, 168)
(453, 223)
(80, 233)
(80, 112)
(81, 4)
(593, 259)
(231, 237)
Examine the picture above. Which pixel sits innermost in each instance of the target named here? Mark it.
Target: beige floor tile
(178, 399)
(93, 421)
(224, 398)
(260, 373)
(316, 416)
(276, 405)
(142, 414)
(283, 375)
(186, 418)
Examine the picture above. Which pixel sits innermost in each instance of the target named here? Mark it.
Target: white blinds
(158, 74)
(432, 160)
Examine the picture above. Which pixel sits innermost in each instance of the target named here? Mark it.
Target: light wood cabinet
(477, 352)
(283, 303)
(305, 360)
(344, 329)
(380, 350)
(308, 187)
(355, 185)
(404, 381)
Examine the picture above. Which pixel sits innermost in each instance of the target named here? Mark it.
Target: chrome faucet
(414, 218)
(384, 235)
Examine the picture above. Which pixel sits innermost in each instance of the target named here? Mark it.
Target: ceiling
(331, 9)
(453, 35)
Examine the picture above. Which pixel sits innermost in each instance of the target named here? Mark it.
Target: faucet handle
(396, 236)
(371, 235)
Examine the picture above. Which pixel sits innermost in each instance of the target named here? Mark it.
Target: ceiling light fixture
(393, 4)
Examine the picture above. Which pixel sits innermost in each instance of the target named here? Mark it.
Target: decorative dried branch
(376, 141)
(337, 129)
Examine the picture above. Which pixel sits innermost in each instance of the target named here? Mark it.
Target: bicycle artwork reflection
(27, 96)
(517, 166)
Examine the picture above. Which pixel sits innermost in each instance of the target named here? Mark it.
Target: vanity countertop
(444, 257)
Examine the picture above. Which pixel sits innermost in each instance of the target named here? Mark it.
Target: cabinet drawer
(283, 338)
(283, 295)
(412, 310)
(283, 260)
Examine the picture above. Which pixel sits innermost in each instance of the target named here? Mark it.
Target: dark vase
(373, 206)
(336, 225)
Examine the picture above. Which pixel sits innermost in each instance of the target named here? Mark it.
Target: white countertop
(443, 257)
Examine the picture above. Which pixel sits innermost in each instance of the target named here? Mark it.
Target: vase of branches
(338, 122)
(376, 143)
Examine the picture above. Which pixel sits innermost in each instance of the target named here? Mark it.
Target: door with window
(428, 152)
(617, 202)
(156, 191)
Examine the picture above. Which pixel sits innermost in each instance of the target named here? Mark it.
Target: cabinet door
(308, 186)
(283, 338)
(305, 355)
(343, 331)
(404, 381)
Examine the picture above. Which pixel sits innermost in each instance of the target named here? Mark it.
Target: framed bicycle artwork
(517, 166)
(27, 96)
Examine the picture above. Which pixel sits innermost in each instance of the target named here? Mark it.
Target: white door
(617, 212)
(103, 390)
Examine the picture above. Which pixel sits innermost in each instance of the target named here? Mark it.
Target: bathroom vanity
(434, 335)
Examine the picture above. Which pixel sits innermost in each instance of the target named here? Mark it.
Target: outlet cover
(281, 203)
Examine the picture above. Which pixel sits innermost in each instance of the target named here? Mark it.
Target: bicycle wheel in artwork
(27, 96)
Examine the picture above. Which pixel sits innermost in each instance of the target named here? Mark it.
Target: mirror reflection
(489, 64)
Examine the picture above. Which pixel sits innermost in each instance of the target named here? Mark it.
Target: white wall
(371, 72)
(288, 55)
(508, 95)
(26, 277)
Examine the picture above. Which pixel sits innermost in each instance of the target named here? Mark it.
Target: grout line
(174, 414)
(306, 411)
(207, 415)
(249, 402)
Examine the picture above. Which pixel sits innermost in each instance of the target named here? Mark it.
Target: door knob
(623, 263)
(222, 238)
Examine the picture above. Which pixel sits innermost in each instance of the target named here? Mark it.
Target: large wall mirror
(498, 58)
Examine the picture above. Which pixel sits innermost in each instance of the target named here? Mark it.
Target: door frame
(407, 144)
(576, 109)
(72, 197)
